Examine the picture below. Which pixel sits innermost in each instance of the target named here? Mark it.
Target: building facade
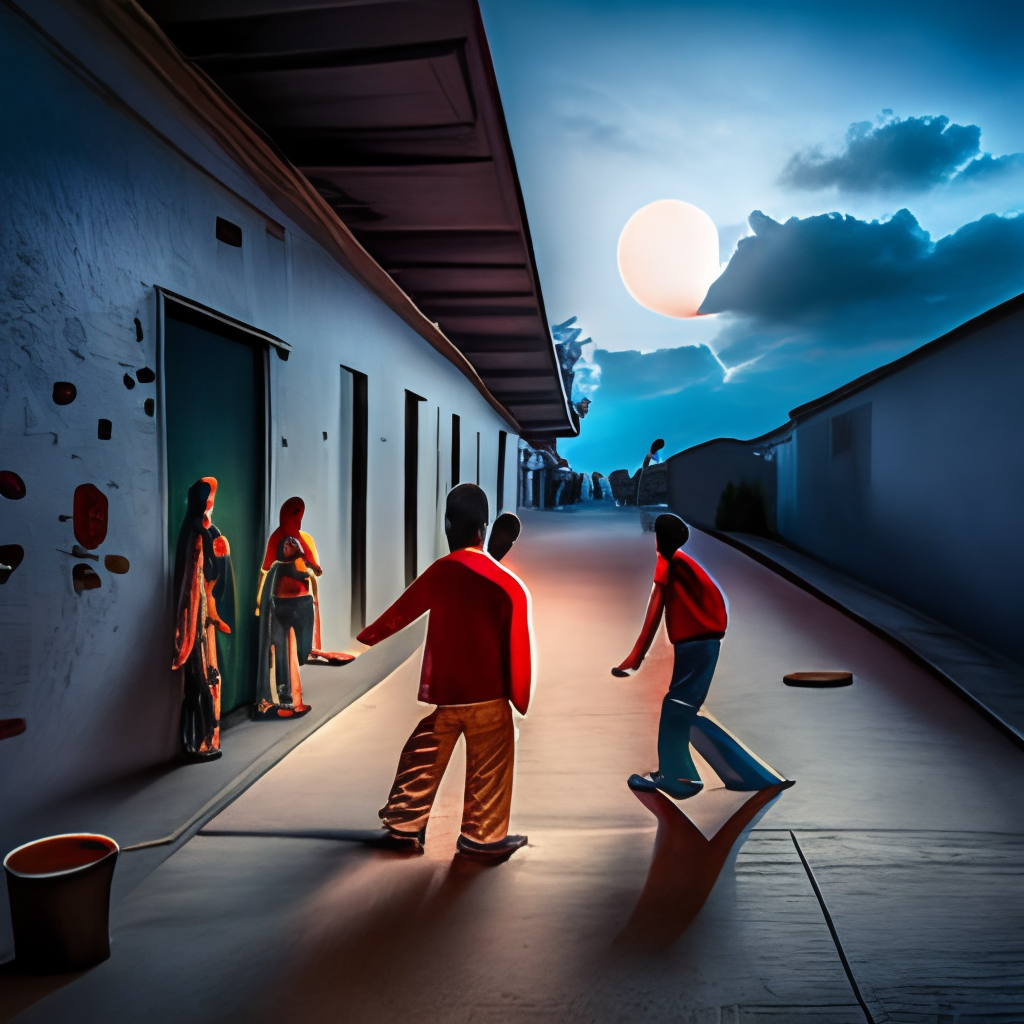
(909, 478)
(176, 302)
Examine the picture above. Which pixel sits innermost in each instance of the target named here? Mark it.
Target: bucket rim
(66, 871)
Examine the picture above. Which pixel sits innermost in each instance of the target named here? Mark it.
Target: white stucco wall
(110, 191)
(932, 515)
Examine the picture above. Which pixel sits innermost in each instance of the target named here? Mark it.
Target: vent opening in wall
(228, 233)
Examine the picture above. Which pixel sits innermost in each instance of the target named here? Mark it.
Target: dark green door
(215, 402)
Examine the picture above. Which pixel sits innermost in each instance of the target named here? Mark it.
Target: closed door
(215, 418)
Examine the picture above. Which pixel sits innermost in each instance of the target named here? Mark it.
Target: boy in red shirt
(477, 658)
(696, 619)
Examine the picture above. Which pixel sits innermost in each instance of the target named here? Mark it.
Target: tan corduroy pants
(490, 751)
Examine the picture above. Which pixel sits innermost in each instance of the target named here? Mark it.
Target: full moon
(668, 257)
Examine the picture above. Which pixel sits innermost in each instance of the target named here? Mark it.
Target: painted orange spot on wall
(117, 564)
(90, 516)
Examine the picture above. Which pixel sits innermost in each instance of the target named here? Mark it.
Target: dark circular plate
(818, 679)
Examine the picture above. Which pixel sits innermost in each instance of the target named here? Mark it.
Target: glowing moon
(668, 257)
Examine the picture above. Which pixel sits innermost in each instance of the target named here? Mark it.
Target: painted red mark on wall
(11, 485)
(90, 516)
(64, 392)
(11, 727)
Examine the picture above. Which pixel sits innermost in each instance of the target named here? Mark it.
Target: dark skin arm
(655, 609)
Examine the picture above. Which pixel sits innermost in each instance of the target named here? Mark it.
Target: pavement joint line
(909, 831)
(832, 929)
(1011, 732)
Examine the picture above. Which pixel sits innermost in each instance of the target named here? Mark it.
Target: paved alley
(907, 810)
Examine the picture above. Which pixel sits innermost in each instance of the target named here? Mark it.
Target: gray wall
(915, 484)
(109, 191)
(697, 477)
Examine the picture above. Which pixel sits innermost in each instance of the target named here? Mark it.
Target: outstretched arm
(408, 608)
(655, 607)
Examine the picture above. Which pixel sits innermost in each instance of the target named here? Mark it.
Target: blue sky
(870, 156)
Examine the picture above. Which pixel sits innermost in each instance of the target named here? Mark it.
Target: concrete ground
(985, 678)
(885, 886)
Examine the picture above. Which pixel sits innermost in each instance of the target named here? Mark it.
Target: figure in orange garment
(202, 576)
(696, 619)
(290, 525)
(286, 632)
(478, 657)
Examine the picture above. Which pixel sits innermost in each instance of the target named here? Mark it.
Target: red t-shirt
(691, 602)
(694, 606)
(479, 644)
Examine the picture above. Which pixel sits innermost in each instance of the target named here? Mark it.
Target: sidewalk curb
(393, 653)
(1014, 735)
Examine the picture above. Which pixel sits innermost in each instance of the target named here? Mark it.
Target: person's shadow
(684, 868)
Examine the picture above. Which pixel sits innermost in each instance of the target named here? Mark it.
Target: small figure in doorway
(202, 578)
(696, 619)
(477, 660)
(287, 618)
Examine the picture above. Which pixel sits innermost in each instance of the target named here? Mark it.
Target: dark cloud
(820, 267)
(808, 304)
(988, 169)
(665, 372)
(894, 155)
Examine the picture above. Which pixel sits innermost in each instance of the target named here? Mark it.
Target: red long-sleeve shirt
(479, 644)
(693, 606)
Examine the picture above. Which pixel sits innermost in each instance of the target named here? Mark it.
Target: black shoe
(398, 842)
(680, 789)
(199, 756)
(500, 850)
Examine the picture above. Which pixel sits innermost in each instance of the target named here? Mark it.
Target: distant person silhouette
(478, 657)
(504, 533)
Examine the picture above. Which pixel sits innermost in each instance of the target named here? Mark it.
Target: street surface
(908, 809)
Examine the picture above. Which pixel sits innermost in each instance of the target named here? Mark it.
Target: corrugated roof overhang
(391, 111)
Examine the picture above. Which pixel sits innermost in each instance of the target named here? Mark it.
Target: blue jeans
(695, 662)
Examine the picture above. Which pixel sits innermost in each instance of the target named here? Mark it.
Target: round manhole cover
(818, 679)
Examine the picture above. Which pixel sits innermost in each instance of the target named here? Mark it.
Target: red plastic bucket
(59, 891)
